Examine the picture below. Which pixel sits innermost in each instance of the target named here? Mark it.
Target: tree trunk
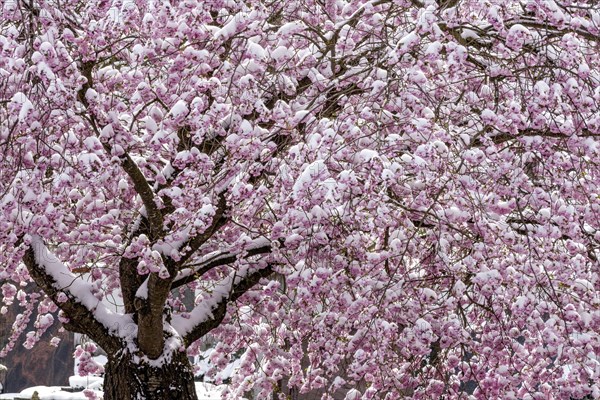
(126, 379)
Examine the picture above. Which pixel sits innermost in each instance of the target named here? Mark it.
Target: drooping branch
(86, 313)
(207, 315)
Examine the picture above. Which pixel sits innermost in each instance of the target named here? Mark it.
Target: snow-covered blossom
(354, 199)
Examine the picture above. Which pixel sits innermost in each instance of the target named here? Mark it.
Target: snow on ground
(205, 391)
(208, 391)
(44, 393)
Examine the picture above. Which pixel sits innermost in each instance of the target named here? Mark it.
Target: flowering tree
(374, 199)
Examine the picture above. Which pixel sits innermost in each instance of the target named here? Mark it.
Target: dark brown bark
(130, 282)
(151, 338)
(222, 259)
(218, 221)
(80, 318)
(126, 379)
(220, 310)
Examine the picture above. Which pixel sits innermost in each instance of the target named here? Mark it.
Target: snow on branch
(140, 183)
(86, 313)
(142, 187)
(217, 259)
(219, 219)
(210, 312)
(548, 27)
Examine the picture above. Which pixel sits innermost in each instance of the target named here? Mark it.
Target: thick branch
(210, 313)
(80, 306)
(130, 282)
(129, 278)
(142, 188)
(150, 310)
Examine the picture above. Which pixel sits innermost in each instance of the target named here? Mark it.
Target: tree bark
(128, 378)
